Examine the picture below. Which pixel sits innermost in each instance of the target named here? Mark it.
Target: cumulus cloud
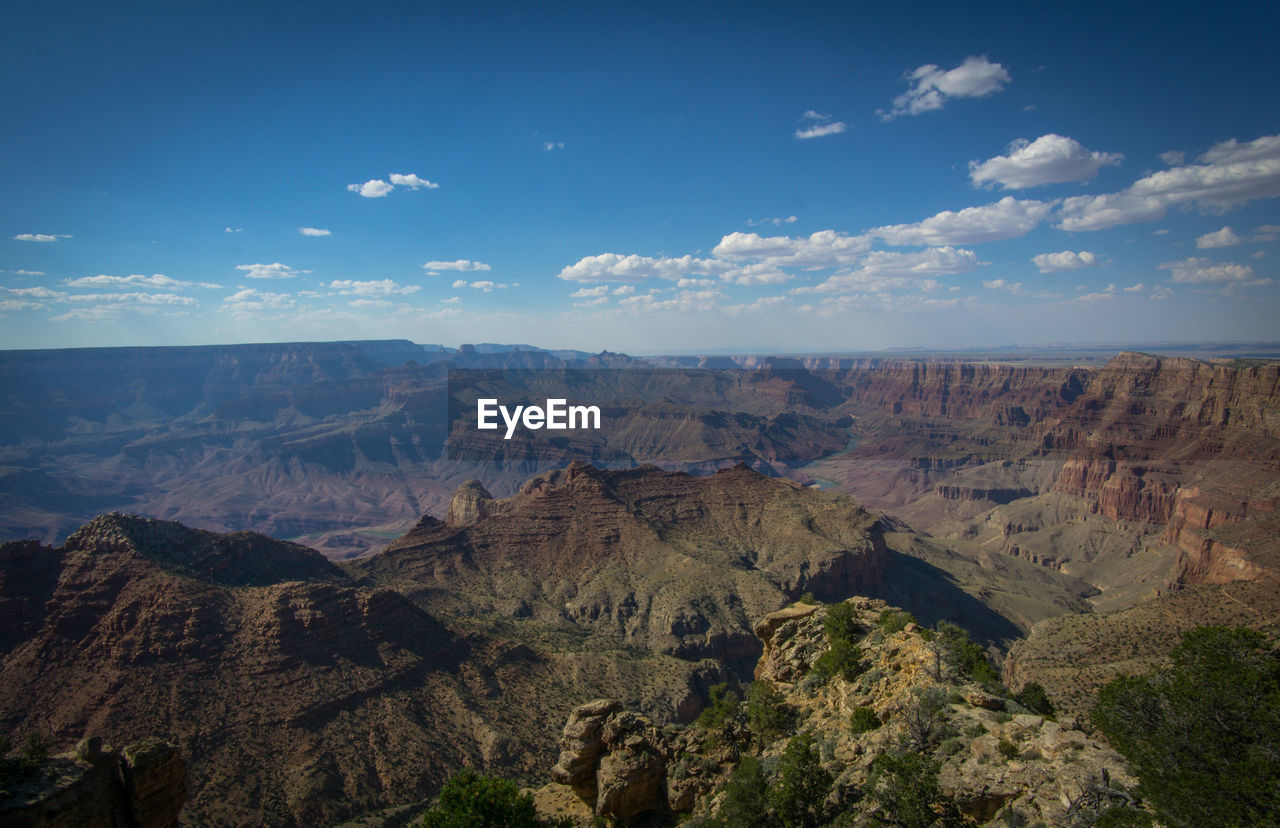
(684, 301)
(612, 267)
(156, 281)
(460, 265)
(1174, 158)
(626, 290)
(1050, 159)
(373, 188)
(825, 248)
(885, 270)
(1005, 219)
(1198, 270)
(275, 270)
(932, 87)
(312, 231)
(382, 287)
(35, 293)
(1229, 175)
(1226, 237)
(412, 181)
(587, 293)
(40, 237)
(1002, 285)
(1064, 260)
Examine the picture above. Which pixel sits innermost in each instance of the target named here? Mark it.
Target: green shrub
(1007, 749)
(975, 730)
(746, 798)
(842, 659)
(1121, 816)
(892, 621)
(965, 654)
(1203, 734)
(800, 792)
(1034, 698)
(768, 715)
(863, 720)
(470, 800)
(808, 598)
(924, 717)
(905, 787)
(723, 707)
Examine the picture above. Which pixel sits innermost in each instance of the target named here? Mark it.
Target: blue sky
(648, 177)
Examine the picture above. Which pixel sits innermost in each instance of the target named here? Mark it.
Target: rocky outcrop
(143, 786)
(999, 763)
(617, 762)
(469, 504)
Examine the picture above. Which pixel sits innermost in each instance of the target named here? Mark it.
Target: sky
(642, 177)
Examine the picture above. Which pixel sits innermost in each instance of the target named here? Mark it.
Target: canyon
(440, 597)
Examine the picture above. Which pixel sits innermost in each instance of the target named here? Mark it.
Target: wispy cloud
(1198, 270)
(552, 146)
(817, 124)
(459, 265)
(383, 287)
(776, 222)
(233, 230)
(313, 231)
(932, 87)
(156, 281)
(41, 237)
(483, 285)
(275, 270)
(1050, 159)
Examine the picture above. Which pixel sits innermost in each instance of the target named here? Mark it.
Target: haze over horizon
(647, 179)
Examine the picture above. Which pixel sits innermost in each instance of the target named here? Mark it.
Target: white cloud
(233, 230)
(452, 300)
(819, 130)
(373, 188)
(586, 293)
(1226, 237)
(11, 305)
(1050, 159)
(932, 87)
(820, 124)
(27, 272)
(36, 293)
(884, 270)
(1001, 284)
(776, 222)
(1264, 233)
(1174, 158)
(626, 290)
(1232, 151)
(1196, 270)
(825, 248)
(612, 267)
(275, 270)
(1261, 254)
(250, 301)
(685, 301)
(312, 231)
(460, 264)
(369, 303)
(1160, 292)
(412, 182)
(552, 146)
(1064, 260)
(383, 287)
(133, 298)
(483, 285)
(157, 281)
(40, 237)
(1138, 288)
(689, 283)
(1231, 174)
(1163, 231)
(591, 303)
(1005, 219)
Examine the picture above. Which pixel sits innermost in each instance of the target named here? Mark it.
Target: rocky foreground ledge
(996, 761)
(142, 786)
